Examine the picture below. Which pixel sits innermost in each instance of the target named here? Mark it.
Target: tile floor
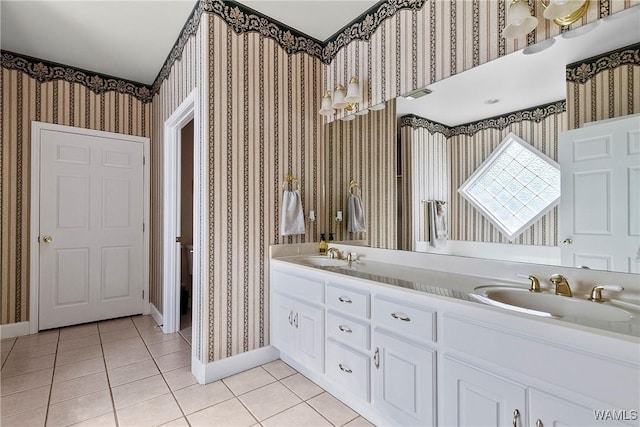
(126, 372)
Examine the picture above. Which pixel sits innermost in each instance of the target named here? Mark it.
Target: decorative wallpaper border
(45, 71)
(585, 70)
(534, 114)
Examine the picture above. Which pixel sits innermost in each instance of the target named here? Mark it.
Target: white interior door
(91, 228)
(600, 203)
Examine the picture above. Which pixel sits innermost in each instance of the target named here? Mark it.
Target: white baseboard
(213, 371)
(157, 316)
(11, 330)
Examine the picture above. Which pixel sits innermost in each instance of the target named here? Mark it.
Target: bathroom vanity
(404, 341)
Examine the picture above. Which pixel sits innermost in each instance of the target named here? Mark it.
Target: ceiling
(131, 39)
(520, 80)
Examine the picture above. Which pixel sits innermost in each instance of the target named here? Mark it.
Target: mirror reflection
(446, 135)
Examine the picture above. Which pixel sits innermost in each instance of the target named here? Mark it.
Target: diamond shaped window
(515, 186)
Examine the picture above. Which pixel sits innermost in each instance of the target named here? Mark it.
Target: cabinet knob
(539, 423)
(345, 300)
(343, 369)
(295, 321)
(401, 316)
(291, 317)
(345, 329)
(516, 416)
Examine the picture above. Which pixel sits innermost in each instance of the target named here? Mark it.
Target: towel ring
(289, 180)
(354, 188)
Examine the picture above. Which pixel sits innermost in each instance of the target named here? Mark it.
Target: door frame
(34, 227)
(171, 251)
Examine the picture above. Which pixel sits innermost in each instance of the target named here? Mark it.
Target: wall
(26, 98)
(442, 38)
(363, 150)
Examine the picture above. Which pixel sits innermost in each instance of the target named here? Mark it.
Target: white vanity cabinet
(298, 323)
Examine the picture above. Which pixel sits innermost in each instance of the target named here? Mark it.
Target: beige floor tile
(138, 391)
(3, 356)
(279, 369)
(152, 412)
(24, 382)
(133, 343)
(187, 334)
(82, 342)
(24, 401)
(31, 418)
(179, 378)
(143, 320)
(198, 396)
(174, 361)
(80, 409)
(39, 338)
(248, 380)
(77, 387)
(180, 422)
(167, 347)
(7, 342)
(126, 357)
(106, 420)
(298, 416)
(229, 413)
(120, 334)
(78, 355)
(332, 409)
(34, 350)
(115, 324)
(302, 386)
(269, 400)
(359, 422)
(158, 336)
(133, 372)
(13, 367)
(78, 331)
(78, 369)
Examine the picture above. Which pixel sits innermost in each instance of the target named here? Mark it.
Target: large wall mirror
(423, 149)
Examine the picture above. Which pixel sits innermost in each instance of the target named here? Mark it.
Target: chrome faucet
(335, 253)
(562, 286)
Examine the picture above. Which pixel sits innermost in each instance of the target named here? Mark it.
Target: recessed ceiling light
(415, 94)
(492, 101)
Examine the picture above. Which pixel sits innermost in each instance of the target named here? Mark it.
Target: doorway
(186, 231)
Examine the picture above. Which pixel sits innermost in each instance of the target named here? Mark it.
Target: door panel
(91, 207)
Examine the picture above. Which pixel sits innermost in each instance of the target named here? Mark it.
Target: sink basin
(550, 305)
(320, 261)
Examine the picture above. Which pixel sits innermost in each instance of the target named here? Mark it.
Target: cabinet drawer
(302, 287)
(347, 330)
(351, 301)
(348, 369)
(414, 321)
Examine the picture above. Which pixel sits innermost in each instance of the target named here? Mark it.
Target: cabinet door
(473, 397)
(283, 329)
(309, 324)
(404, 381)
(548, 410)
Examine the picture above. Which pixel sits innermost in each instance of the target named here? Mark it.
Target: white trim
(34, 227)
(155, 314)
(171, 213)
(12, 330)
(213, 371)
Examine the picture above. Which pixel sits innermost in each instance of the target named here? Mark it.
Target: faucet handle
(557, 278)
(535, 283)
(596, 292)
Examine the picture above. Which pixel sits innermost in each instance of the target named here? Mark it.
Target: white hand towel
(355, 216)
(437, 224)
(292, 217)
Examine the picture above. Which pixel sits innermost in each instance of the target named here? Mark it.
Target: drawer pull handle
(345, 300)
(376, 358)
(295, 321)
(516, 416)
(402, 317)
(343, 369)
(345, 329)
(291, 317)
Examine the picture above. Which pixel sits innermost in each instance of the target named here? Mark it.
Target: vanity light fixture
(563, 12)
(341, 98)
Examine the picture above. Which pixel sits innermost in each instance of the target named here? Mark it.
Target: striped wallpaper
(25, 99)
(363, 150)
(263, 124)
(417, 47)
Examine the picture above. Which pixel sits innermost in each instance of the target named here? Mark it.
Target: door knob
(47, 239)
(567, 242)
